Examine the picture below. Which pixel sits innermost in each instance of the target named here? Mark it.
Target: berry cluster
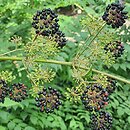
(3, 90)
(46, 24)
(116, 48)
(114, 15)
(94, 97)
(111, 86)
(18, 92)
(101, 121)
(48, 100)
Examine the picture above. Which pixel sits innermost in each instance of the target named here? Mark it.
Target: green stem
(10, 52)
(100, 29)
(67, 64)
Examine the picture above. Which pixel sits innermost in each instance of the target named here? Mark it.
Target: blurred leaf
(72, 123)
(2, 128)
(17, 128)
(4, 115)
(9, 103)
(29, 128)
(33, 119)
(120, 111)
(11, 125)
(129, 119)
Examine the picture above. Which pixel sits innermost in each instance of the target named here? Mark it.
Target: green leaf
(11, 125)
(16, 120)
(68, 117)
(128, 65)
(86, 117)
(116, 66)
(89, 10)
(4, 115)
(22, 124)
(81, 125)
(17, 127)
(62, 123)
(23, 115)
(123, 66)
(120, 111)
(118, 128)
(72, 123)
(9, 103)
(29, 128)
(40, 123)
(2, 128)
(33, 120)
(25, 102)
(129, 119)
(116, 103)
(50, 118)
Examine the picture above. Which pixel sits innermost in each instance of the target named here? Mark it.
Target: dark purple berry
(48, 100)
(3, 90)
(114, 15)
(18, 92)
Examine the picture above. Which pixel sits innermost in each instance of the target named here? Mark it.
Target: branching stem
(94, 37)
(68, 64)
(10, 52)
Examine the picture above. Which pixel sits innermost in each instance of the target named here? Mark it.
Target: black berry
(116, 48)
(46, 24)
(101, 121)
(114, 15)
(48, 100)
(18, 92)
(94, 97)
(3, 90)
(111, 85)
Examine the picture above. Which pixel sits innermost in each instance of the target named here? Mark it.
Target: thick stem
(67, 64)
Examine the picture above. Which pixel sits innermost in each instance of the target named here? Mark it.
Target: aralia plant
(48, 40)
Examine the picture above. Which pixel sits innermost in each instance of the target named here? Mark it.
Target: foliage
(15, 31)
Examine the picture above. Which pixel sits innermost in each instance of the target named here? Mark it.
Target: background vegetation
(15, 19)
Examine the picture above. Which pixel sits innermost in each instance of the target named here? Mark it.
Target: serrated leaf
(4, 115)
(118, 128)
(29, 128)
(123, 66)
(33, 119)
(129, 119)
(86, 117)
(25, 102)
(17, 127)
(23, 115)
(72, 123)
(22, 124)
(62, 123)
(50, 118)
(40, 123)
(116, 66)
(9, 103)
(68, 117)
(120, 111)
(11, 125)
(128, 65)
(17, 120)
(80, 124)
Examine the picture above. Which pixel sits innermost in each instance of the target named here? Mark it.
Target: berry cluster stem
(11, 52)
(94, 37)
(68, 64)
